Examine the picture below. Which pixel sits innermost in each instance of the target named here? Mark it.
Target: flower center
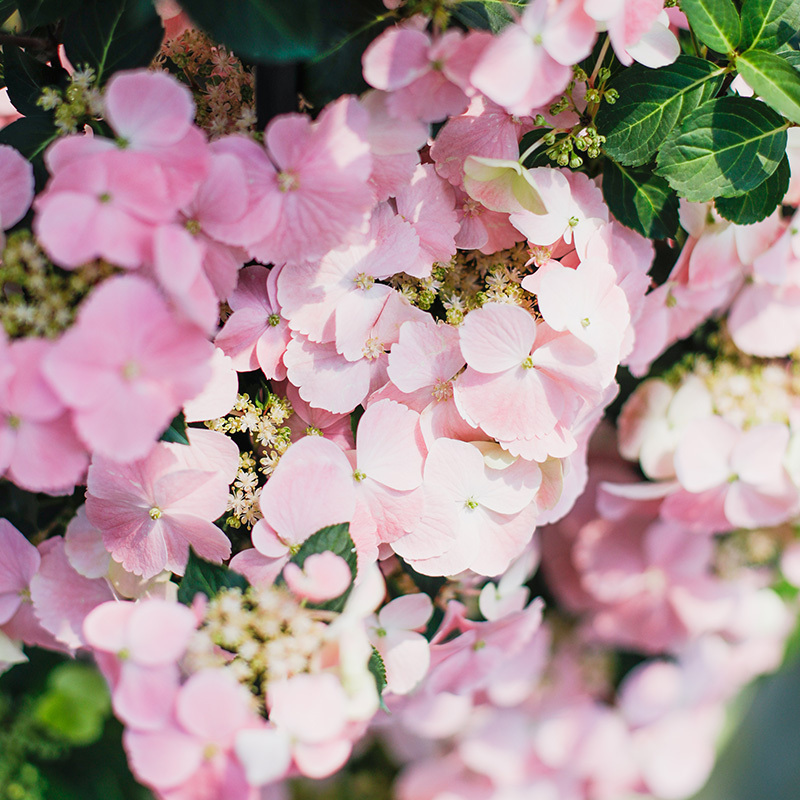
(131, 370)
(364, 281)
(442, 390)
(274, 320)
(155, 512)
(288, 182)
(527, 363)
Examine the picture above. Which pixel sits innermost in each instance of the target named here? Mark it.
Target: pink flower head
(317, 194)
(309, 421)
(530, 62)
(103, 206)
(407, 63)
(138, 646)
(323, 576)
(20, 562)
(16, 186)
(194, 754)
(255, 335)
(151, 511)
(126, 367)
(39, 449)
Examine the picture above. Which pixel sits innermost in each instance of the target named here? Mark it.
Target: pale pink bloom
(589, 304)
(394, 144)
(529, 63)
(218, 396)
(317, 193)
(137, 646)
(311, 295)
(636, 30)
(327, 380)
(152, 510)
(103, 205)
(387, 472)
(575, 209)
(427, 203)
(482, 229)
(510, 594)
(502, 185)
(323, 576)
(39, 449)
(485, 130)
(415, 69)
(16, 186)
(652, 583)
(126, 357)
(474, 517)
(309, 421)
(539, 381)
(732, 475)
(311, 488)
(394, 635)
(194, 754)
(255, 335)
(20, 562)
(313, 710)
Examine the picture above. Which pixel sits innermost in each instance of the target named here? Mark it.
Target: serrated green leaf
(725, 148)
(641, 200)
(176, 432)
(767, 24)
(25, 77)
(758, 203)
(651, 103)
(335, 538)
(715, 22)
(205, 577)
(378, 669)
(773, 79)
(110, 35)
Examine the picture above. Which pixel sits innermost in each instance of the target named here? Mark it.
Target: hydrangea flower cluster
(394, 351)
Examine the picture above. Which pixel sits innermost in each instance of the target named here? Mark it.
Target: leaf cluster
(680, 132)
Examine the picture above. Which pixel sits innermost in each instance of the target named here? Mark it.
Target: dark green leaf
(31, 136)
(758, 203)
(262, 30)
(725, 148)
(641, 200)
(7, 8)
(110, 35)
(44, 12)
(790, 56)
(25, 77)
(768, 24)
(203, 577)
(715, 22)
(176, 433)
(335, 538)
(487, 15)
(774, 79)
(651, 103)
(378, 670)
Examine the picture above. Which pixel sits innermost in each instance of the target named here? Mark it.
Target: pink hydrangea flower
(16, 186)
(152, 510)
(126, 357)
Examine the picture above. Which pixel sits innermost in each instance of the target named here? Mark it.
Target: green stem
(599, 63)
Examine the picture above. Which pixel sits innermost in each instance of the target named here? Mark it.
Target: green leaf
(651, 103)
(790, 56)
(176, 433)
(76, 704)
(758, 203)
(262, 30)
(204, 577)
(725, 148)
(335, 538)
(768, 24)
(715, 22)
(110, 35)
(378, 670)
(774, 79)
(641, 200)
(25, 77)
(35, 13)
(487, 15)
